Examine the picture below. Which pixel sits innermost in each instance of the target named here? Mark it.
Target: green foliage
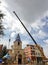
(3, 52)
(1, 15)
(1, 26)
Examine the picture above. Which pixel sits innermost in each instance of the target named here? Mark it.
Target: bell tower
(17, 50)
(18, 42)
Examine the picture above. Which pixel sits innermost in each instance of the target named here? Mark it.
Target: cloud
(16, 26)
(40, 27)
(45, 17)
(30, 12)
(3, 3)
(46, 13)
(24, 43)
(12, 34)
(46, 41)
(41, 34)
(25, 15)
(38, 24)
(3, 6)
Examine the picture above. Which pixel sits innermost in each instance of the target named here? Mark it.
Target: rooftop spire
(18, 38)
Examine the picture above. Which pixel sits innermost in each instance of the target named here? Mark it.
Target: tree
(1, 25)
(2, 55)
(3, 52)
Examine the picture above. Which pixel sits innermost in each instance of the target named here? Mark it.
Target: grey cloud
(28, 10)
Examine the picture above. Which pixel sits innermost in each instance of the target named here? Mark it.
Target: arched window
(18, 43)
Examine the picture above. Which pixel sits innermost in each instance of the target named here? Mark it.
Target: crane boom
(25, 28)
(29, 33)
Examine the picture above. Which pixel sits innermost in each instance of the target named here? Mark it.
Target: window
(36, 53)
(39, 54)
(18, 51)
(18, 43)
(32, 47)
(32, 52)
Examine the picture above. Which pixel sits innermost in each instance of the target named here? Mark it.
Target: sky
(34, 14)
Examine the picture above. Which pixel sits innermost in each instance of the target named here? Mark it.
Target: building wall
(16, 51)
(29, 54)
(32, 52)
(29, 51)
(17, 45)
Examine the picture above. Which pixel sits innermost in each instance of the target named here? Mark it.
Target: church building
(17, 52)
(30, 54)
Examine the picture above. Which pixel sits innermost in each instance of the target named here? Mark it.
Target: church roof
(18, 38)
